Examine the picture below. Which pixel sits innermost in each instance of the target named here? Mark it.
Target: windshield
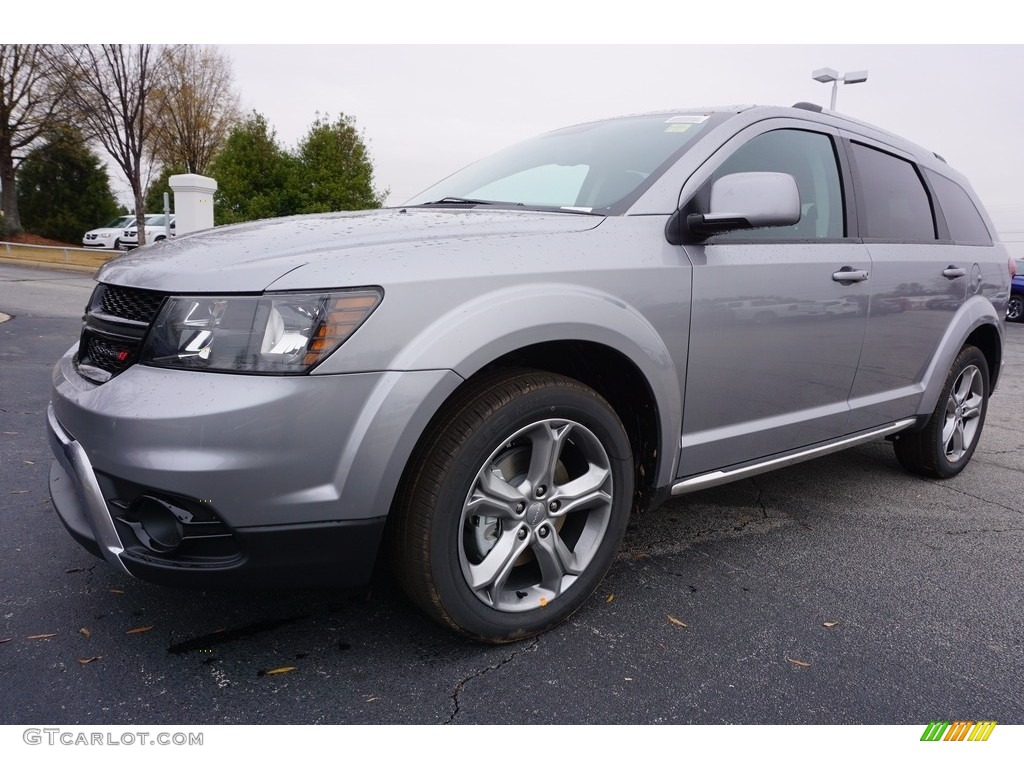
(118, 223)
(155, 220)
(600, 166)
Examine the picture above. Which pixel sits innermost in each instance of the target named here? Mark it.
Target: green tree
(157, 187)
(63, 188)
(334, 168)
(255, 176)
(33, 87)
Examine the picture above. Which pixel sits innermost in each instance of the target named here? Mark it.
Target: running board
(719, 477)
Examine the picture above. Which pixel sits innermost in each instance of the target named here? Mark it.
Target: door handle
(848, 275)
(953, 273)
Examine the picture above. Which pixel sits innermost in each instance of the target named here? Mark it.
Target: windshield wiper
(465, 201)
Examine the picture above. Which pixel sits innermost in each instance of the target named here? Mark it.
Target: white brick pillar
(193, 202)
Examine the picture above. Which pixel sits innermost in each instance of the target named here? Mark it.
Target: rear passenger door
(918, 280)
(776, 333)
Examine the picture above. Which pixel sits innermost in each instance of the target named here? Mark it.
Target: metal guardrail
(82, 258)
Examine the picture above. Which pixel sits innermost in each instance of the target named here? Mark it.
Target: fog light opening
(155, 524)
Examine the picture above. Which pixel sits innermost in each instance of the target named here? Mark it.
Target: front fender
(476, 333)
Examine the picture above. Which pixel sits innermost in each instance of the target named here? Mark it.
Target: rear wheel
(1015, 309)
(514, 506)
(945, 446)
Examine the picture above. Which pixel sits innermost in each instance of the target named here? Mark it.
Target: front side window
(893, 201)
(808, 157)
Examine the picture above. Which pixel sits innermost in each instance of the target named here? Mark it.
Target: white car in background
(109, 235)
(156, 230)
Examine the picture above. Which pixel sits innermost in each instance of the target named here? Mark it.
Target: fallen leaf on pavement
(139, 630)
(830, 624)
(280, 670)
(89, 660)
(117, 591)
(5, 640)
(29, 462)
(84, 631)
(373, 698)
(41, 637)
(677, 622)
(17, 492)
(798, 662)
(609, 598)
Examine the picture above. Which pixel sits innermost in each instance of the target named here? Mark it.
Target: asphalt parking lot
(841, 591)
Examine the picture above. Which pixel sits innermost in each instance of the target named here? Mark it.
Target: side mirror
(748, 201)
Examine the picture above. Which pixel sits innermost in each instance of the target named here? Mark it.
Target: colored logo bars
(961, 730)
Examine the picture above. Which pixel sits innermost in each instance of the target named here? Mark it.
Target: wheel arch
(581, 333)
(618, 380)
(976, 323)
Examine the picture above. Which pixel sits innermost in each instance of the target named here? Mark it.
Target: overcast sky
(427, 110)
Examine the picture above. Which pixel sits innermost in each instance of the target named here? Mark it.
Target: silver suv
(486, 382)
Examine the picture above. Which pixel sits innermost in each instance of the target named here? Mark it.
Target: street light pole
(828, 75)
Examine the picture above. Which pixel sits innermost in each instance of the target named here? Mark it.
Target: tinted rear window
(965, 223)
(894, 203)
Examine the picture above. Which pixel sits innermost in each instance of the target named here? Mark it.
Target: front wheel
(514, 506)
(943, 448)
(1015, 309)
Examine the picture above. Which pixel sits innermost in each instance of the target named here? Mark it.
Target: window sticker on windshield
(692, 119)
(677, 128)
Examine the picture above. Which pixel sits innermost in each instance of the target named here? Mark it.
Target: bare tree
(112, 101)
(196, 106)
(31, 90)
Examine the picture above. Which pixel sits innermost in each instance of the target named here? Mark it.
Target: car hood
(358, 248)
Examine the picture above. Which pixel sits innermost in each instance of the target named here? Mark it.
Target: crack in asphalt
(760, 498)
(465, 681)
(983, 530)
(939, 484)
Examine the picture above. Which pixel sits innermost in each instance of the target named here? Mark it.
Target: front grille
(129, 303)
(116, 323)
(112, 357)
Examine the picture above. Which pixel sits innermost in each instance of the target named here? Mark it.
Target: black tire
(1015, 309)
(511, 445)
(945, 446)
(117, 244)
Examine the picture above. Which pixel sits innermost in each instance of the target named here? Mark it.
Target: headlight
(275, 333)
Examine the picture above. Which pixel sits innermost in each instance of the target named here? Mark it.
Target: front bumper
(272, 480)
